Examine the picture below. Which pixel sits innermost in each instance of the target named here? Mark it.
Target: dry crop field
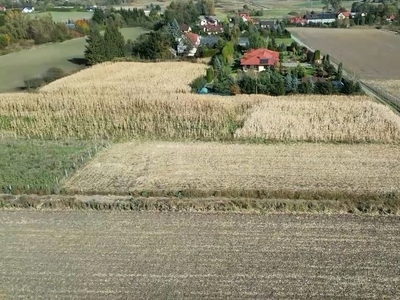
(370, 53)
(202, 169)
(81, 255)
(130, 100)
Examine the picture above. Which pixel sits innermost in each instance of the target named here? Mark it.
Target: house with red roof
(343, 15)
(188, 44)
(2, 8)
(259, 59)
(297, 20)
(245, 16)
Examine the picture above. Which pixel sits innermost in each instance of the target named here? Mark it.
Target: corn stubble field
(78, 255)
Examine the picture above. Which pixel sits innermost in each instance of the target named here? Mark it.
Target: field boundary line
(379, 95)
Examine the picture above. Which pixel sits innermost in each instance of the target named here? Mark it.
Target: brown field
(130, 100)
(360, 50)
(162, 168)
(81, 255)
(391, 87)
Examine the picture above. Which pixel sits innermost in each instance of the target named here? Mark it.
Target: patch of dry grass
(318, 118)
(203, 169)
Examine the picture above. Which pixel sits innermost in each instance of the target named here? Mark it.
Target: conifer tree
(114, 42)
(94, 52)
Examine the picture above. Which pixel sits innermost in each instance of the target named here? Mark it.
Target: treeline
(127, 17)
(18, 28)
(374, 13)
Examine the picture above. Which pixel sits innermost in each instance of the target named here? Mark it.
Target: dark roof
(184, 27)
(244, 41)
(315, 16)
(209, 40)
(269, 23)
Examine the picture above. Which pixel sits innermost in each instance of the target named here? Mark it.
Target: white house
(28, 9)
(188, 44)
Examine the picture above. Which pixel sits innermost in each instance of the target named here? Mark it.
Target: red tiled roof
(260, 57)
(193, 38)
(345, 13)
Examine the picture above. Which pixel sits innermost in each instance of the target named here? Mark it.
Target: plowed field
(81, 255)
(370, 53)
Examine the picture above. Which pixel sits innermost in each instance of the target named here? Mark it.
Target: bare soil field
(162, 168)
(358, 49)
(81, 255)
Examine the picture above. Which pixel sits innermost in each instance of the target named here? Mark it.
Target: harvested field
(141, 100)
(81, 255)
(316, 118)
(391, 87)
(357, 49)
(208, 169)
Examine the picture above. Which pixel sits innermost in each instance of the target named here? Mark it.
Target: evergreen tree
(99, 16)
(340, 72)
(288, 83)
(94, 52)
(295, 84)
(114, 42)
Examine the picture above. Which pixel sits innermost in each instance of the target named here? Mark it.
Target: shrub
(4, 40)
(53, 74)
(198, 83)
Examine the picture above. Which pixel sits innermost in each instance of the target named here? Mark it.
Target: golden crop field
(201, 169)
(316, 118)
(153, 100)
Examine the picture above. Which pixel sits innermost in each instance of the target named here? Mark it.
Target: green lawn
(287, 41)
(19, 66)
(61, 16)
(38, 166)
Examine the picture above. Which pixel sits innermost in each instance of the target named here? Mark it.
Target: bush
(53, 74)
(34, 83)
(198, 83)
(4, 40)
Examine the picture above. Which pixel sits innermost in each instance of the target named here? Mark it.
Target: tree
(99, 16)
(114, 42)
(340, 72)
(288, 83)
(335, 4)
(257, 41)
(94, 52)
(295, 84)
(210, 74)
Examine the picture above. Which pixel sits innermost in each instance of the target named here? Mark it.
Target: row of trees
(16, 27)
(101, 48)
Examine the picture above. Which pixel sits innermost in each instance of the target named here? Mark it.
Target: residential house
(298, 20)
(320, 18)
(391, 18)
(245, 16)
(212, 29)
(343, 15)
(209, 40)
(28, 9)
(207, 20)
(185, 28)
(2, 8)
(267, 24)
(259, 59)
(188, 44)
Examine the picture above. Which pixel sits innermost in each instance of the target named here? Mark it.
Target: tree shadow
(80, 61)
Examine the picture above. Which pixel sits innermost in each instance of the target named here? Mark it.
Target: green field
(61, 16)
(39, 166)
(19, 66)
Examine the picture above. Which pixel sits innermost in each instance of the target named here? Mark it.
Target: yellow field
(153, 100)
(162, 167)
(318, 118)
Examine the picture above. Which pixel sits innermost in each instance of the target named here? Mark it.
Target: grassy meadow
(61, 16)
(26, 64)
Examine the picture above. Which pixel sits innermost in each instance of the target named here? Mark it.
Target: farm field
(357, 49)
(203, 169)
(38, 166)
(60, 16)
(195, 256)
(80, 106)
(34, 62)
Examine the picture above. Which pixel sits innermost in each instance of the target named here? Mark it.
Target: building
(185, 28)
(267, 24)
(212, 29)
(343, 15)
(2, 8)
(188, 44)
(298, 20)
(28, 9)
(245, 16)
(320, 18)
(259, 59)
(207, 20)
